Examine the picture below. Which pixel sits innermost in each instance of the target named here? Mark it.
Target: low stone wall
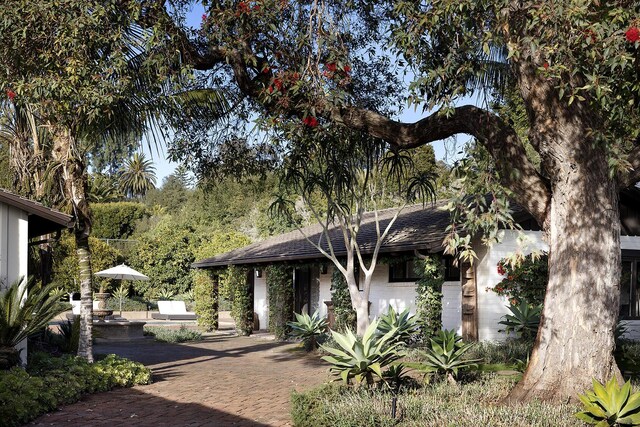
(129, 315)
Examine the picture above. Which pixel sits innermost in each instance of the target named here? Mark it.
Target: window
(403, 271)
(630, 286)
(451, 270)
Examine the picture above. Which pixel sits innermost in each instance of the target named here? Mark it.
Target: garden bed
(469, 404)
(50, 382)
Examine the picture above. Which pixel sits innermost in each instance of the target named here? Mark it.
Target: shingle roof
(417, 227)
(42, 220)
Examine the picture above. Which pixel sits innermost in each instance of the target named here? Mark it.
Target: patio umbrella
(121, 272)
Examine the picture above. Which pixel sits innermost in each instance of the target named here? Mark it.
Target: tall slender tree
(77, 66)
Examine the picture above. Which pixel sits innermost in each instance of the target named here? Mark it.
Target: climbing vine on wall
(345, 315)
(205, 291)
(234, 287)
(280, 295)
(429, 294)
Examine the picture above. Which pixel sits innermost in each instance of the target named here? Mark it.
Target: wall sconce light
(258, 273)
(323, 268)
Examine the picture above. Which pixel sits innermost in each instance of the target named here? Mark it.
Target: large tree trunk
(359, 299)
(75, 187)
(575, 341)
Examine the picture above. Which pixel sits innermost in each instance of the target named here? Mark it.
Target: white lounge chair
(173, 310)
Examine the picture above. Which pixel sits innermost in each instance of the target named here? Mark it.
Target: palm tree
(137, 176)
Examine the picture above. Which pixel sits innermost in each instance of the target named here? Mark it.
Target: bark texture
(575, 341)
(74, 183)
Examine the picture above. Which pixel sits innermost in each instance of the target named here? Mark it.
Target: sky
(448, 151)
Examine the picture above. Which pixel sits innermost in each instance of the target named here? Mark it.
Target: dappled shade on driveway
(220, 381)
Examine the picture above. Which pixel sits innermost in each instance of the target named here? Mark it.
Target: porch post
(469, 302)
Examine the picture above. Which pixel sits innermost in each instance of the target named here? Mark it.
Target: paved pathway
(220, 381)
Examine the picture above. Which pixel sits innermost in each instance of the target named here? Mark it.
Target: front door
(302, 290)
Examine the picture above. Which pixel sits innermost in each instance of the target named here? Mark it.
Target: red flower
(11, 95)
(266, 69)
(331, 66)
(501, 270)
(310, 121)
(243, 7)
(296, 76)
(510, 277)
(256, 8)
(270, 89)
(546, 65)
(347, 69)
(204, 17)
(633, 34)
(278, 83)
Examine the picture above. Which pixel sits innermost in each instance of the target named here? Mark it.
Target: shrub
(233, 286)
(309, 329)
(361, 358)
(628, 357)
(438, 405)
(525, 280)
(117, 220)
(524, 320)
(165, 254)
(280, 294)
(65, 263)
(172, 335)
(205, 290)
(51, 382)
(610, 405)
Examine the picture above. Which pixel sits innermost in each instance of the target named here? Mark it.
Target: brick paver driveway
(220, 381)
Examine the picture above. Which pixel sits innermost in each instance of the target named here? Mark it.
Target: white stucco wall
(325, 290)
(452, 306)
(14, 247)
(399, 295)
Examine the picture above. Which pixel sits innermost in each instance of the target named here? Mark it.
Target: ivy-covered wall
(234, 287)
(280, 296)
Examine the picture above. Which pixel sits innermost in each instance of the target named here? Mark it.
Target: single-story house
(468, 306)
(21, 222)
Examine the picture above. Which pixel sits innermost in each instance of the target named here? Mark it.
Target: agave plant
(165, 294)
(361, 358)
(308, 329)
(610, 405)
(24, 310)
(401, 326)
(445, 356)
(523, 320)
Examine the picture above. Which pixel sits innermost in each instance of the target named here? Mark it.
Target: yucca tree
(24, 310)
(137, 176)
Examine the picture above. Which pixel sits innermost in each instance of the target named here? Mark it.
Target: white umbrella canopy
(121, 272)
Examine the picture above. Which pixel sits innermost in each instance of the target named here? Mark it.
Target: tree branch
(516, 171)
